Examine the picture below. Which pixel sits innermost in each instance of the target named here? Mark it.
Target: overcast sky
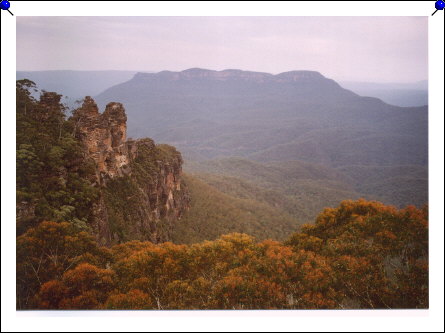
(377, 49)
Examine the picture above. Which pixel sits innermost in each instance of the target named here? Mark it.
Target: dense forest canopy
(53, 176)
(361, 254)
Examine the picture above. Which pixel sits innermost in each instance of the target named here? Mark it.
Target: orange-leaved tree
(46, 252)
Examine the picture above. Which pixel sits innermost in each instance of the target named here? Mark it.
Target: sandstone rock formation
(141, 191)
(104, 135)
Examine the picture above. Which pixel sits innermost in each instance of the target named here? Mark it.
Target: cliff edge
(141, 192)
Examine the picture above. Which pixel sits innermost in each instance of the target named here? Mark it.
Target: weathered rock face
(104, 135)
(142, 194)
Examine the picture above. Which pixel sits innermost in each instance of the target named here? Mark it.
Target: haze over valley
(250, 163)
(291, 143)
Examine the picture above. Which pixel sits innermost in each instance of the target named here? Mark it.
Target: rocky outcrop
(141, 191)
(104, 136)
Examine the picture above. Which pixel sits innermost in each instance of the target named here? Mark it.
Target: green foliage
(303, 189)
(123, 199)
(53, 177)
(57, 181)
(129, 200)
(395, 185)
(297, 188)
(213, 213)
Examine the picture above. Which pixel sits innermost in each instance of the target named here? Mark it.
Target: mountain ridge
(255, 115)
(226, 74)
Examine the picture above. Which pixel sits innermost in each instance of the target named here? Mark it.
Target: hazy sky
(379, 49)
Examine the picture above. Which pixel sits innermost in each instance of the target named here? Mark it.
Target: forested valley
(119, 231)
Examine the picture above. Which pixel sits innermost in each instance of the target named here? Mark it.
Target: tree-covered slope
(303, 189)
(213, 213)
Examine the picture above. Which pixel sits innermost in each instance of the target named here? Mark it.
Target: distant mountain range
(400, 94)
(298, 115)
(78, 84)
(299, 118)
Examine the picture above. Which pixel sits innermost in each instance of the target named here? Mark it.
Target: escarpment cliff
(104, 136)
(141, 193)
